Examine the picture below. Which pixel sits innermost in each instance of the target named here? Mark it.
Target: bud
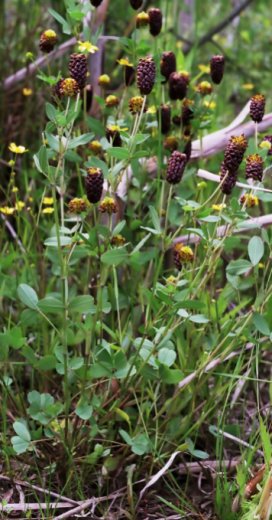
(95, 147)
(164, 114)
(112, 101)
(129, 75)
(257, 108)
(234, 151)
(227, 179)
(254, 167)
(94, 184)
(168, 64)
(113, 135)
(187, 111)
(96, 3)
(118, 240)
(155, 21)
(175, 167)
(88, 94)
(108, 205)
(142, 20)
(146, 75)
(67, 87)
(248, 200)
(77, 205)
(176, 120)
(136, 104)
(188, 149)
(178, 84)
(268, 141)
(78, 68)
(182, 254)
(217, 65)
(171, 143)
(104, 81)
(48, 40)
(136, 4)
(204, 88)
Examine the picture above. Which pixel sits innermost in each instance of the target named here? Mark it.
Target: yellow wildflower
(248, 86)
(125, 62)
(19, 205)
(205, 69)
(14, 148)
(265, 145)
(151, 110)
(27, 91)
(210, 104)
(6, 210)
(15, 189)
(218, 207)
(87, 47)
(48, 210)
(48, 201)
(249, 200)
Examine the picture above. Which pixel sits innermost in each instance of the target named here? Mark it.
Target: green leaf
(155, 218)
(170, 376)
(51, 112)
(28, 296)
(140, 444)
(199, 318)
(53, 241)
(84, 410)
(237, 267)
(82, 304)
(266, 442)
(261, 324)
(50, 304)
(22, 431)
(19, 445)
(78, 141)
(65, 25)
(118, 153)
(167, 356)
(255, 250)
(47, 363)
(115, 256)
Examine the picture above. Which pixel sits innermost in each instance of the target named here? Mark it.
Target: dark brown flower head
(113, 135)
(164, 117)
(142, 20)
(171, 143)
(78, 68)
(168, 64)
(187, 112)
(175, 167)
(77, 205)
(176, 120)
(257, 108)
(146, 75)
(48, 40)
(67, 87)
(95, 147)
(188, 149)
(204, 88)
(178, 84)
(94, 184)
(136, 4)
(254, 167)
(155, 21)
(234, 151)
(217, 65)
(118, 240)
(112, 101)
(96, 3)
(228, 179)
(182, 254)
(129, 75)
(108, 205)
(135, 105)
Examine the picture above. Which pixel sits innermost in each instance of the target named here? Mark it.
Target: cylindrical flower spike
(187, 112)
(254, 167)
(257, 108)
(94, 184)
(78, 68)
(155, 21)
(164, 114)
(234, 152)
(175, 167)
(48, 40)
(146, 75)
(168, 64)
(88, 93)
(182, 254)
(178, 84)
(217, 65)
(227, 179)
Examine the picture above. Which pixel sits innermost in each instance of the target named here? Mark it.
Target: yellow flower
(27, 91)
(151, 110)
(48, 210)
(249, 200)
(218, 207)
(248, 86)
(171, 280)
(15, 189)
(48, 201)
(125, 62)
(104, 80)
(209, 104)
(6, 210)
(204, 68)
(87, 47)
(14, 148)
(19, 205)
(265, 145)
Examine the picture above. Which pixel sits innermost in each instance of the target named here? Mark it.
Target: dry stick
(87, 503)
(34, 506)
(40, 489)
(13, 233)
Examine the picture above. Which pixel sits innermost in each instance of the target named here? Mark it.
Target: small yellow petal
(48, 201)
(48, 210)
